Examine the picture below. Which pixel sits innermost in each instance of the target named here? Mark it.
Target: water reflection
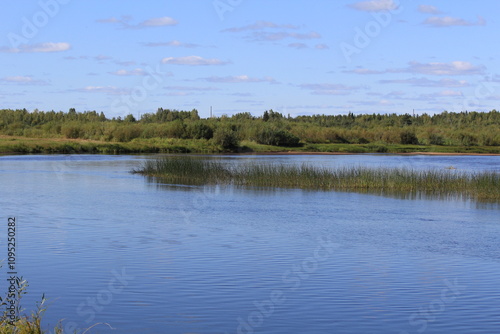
(169, 184)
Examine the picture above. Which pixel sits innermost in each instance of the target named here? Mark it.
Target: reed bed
(191, 170)
(195, 170)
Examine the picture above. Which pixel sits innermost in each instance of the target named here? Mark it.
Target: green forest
(169, 130)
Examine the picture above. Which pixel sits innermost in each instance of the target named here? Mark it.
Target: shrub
(175, 129)
(333, 136)
(362, 140)
(489, 140)
(153, 131)
(467, 139)
(391, 136)
(435, 139)
(199, 130)
(71, 130)
(270, 136)
(126, 132)
(130, 118)
(285, 138)
(408, 138)
(226, 138)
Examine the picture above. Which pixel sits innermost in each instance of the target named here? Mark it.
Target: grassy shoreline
(484, 186)
(23, 145)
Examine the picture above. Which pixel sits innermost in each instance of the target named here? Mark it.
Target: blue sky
(296, 57)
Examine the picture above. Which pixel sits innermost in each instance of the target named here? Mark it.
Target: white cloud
(428, 9)
(75, 58)
(23, 80)
(109, 20)
(20, 79)
(450, 93)
(97, 88)
(363, 71)
(375, 5)
(444, 93)
(326, 86)
(159, 22)
(494, 97)
(447, 21)
(173, 43)
(322, 47)
(36, 48)
(102, 58)
(433, 68)
(259, 25)
(125, 63)
(136, 72)
(189, 88)
(329, 89)
(260, 32)
(242, 94)
(239, 79)
(330, 92)
(267, 36)
(453, 68)
(424, 82)
(396, 94)
(153, 22)
(298, 46)
(385, 103)
(382, 103)
(193, 61)
(111, 90)
(177, 94)
(308, 107)
(251, 102)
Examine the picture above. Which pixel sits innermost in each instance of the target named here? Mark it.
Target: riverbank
(345, 153)
(24, 145)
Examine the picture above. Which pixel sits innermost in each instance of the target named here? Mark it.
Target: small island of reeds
(484, 186)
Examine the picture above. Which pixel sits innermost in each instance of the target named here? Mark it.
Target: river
(108, 246)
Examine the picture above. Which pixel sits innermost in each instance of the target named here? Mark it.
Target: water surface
(108, 246)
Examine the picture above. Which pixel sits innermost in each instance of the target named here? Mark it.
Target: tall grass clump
(476, 185)
(18, 323)
(26, 324)
(187, 169)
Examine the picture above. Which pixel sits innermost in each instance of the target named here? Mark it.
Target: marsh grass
(188, 170)
(197, 170)
(24, 324)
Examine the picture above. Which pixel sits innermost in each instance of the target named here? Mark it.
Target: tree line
(271, 128)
